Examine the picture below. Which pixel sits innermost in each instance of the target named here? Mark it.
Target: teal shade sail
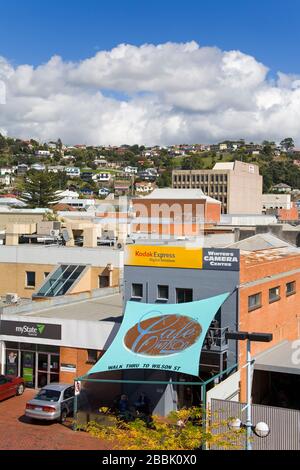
(161, 336)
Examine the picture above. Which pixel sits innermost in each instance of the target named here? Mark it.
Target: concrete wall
(13, 278)
(11, 217)
(244, 190)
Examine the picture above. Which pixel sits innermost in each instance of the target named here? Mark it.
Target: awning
(165, 337)
(284, 358)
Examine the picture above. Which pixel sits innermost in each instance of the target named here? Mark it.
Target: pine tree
(39, 189)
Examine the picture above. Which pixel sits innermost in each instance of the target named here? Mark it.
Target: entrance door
(48, 369)
(53, 368)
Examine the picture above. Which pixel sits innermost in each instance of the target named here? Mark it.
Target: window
(68, 393)
(274, 294)
(290, 288)
(184, 295)
(46, 275)
(254, 301)
(103, 281)
(162, 292)
(137, 291)
(92, 356)
(30, 279)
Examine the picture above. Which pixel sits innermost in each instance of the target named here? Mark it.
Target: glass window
(11, 362)
(254, 301)
(103, 281)
(290, 288)
(30, 279)
(92, 356)
(274, 294)
(48, 395)
(163, 292)
(61, 280)
(184, 295)
(68, 393)
(137, 290)
(46, 275)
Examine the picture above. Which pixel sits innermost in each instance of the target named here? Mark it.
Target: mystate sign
(30, 330)
(161, 336)
(222, 259)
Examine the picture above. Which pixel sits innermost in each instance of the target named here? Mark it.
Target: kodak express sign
(163, 256)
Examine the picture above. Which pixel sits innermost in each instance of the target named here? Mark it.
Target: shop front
(38, 364)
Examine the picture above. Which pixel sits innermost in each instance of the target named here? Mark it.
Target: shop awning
(284, 358)
(165, 337)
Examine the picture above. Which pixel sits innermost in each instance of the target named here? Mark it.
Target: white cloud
(150, 94)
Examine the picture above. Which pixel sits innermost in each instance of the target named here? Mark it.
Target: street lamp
(261, 429)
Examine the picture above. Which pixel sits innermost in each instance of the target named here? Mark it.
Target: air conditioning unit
(11, 298)
(54, 233)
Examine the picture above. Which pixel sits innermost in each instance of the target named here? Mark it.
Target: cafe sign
(161, 337)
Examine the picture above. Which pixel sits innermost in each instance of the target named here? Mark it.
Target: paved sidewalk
(20, 433)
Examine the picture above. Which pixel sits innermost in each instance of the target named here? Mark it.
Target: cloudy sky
(161, 93)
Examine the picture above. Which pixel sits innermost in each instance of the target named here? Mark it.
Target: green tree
(165, 180)
(39, 189)
(287, 143)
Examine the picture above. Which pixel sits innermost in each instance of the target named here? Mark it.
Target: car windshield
(48, 395)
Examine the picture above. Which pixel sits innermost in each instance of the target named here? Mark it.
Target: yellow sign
(163, 256)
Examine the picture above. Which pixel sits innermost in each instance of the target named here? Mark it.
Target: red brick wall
(288, 214)
(79, 357)
(281, 318)
(150, 208)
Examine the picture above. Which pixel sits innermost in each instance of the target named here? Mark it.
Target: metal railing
(215, 339)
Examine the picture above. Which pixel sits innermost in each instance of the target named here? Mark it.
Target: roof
(281, 185)
(278, 359)
(57, 386)
(108, 308)
(170, 193)
(259, 242)
(224, 166)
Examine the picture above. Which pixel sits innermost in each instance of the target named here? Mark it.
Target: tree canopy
(39, 189)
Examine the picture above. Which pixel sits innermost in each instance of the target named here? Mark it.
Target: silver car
(53, 402)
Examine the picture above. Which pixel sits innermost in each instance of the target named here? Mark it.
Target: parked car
(11, 386)
(53, 402)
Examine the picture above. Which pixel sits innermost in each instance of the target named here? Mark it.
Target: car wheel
(20, 389)
(63, 416)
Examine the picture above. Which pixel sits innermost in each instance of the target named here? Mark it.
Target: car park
(54, 402)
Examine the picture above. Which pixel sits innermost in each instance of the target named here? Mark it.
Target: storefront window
(12, 357)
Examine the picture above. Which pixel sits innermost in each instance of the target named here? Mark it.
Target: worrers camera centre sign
(30, 330)
(221, 259)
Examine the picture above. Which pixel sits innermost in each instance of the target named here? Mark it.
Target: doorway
(47, 368)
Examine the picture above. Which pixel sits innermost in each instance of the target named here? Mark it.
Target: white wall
(100, 256)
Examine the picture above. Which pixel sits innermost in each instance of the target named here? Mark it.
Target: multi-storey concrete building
(237, 185)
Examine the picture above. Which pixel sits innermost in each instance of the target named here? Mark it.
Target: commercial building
(25, 268)
(59, 338)
(261, 276)
(168, 211)
(237, 185)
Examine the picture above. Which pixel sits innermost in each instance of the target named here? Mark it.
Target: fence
(284, 423)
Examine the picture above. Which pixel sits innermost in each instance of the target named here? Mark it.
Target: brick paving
(17, 432)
